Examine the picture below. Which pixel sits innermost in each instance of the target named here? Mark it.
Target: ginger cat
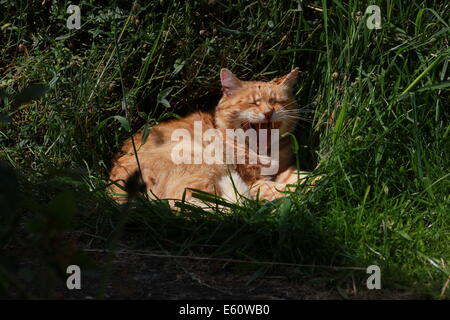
(246, 105)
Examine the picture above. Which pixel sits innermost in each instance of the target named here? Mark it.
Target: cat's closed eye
(275, 101)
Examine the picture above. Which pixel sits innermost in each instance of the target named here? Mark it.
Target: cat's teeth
(268, 125)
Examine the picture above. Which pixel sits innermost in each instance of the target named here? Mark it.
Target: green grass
(380, 131)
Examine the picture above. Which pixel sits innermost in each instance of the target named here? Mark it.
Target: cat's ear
(229, 82)
(288, 81)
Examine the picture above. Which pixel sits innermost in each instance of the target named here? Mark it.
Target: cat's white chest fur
(232, 187)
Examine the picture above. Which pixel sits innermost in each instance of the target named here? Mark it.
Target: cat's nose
(268, 114)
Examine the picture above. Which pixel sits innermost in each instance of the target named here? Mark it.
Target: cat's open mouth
(263, 145)
(265, 124)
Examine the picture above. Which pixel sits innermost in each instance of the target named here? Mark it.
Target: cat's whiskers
(294, 113)
(301, 110)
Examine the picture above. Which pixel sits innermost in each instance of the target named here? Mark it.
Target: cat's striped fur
(244, 104)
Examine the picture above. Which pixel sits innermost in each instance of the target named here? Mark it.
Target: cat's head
(257, 104)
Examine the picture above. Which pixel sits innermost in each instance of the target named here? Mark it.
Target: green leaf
(123, 122)
(161, 99)
(404, 235)
(438, 86)
(211, 198)
(63, 37)
(339, 122)
(293, 141)
(284, 209)
(418, 21)
(432, 65)
(433, 263)
(101, 124)
(145, 133)
(178, 65)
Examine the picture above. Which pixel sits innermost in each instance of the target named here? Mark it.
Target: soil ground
(139, 276)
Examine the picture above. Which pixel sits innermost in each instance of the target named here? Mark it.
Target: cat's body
(244, 105)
